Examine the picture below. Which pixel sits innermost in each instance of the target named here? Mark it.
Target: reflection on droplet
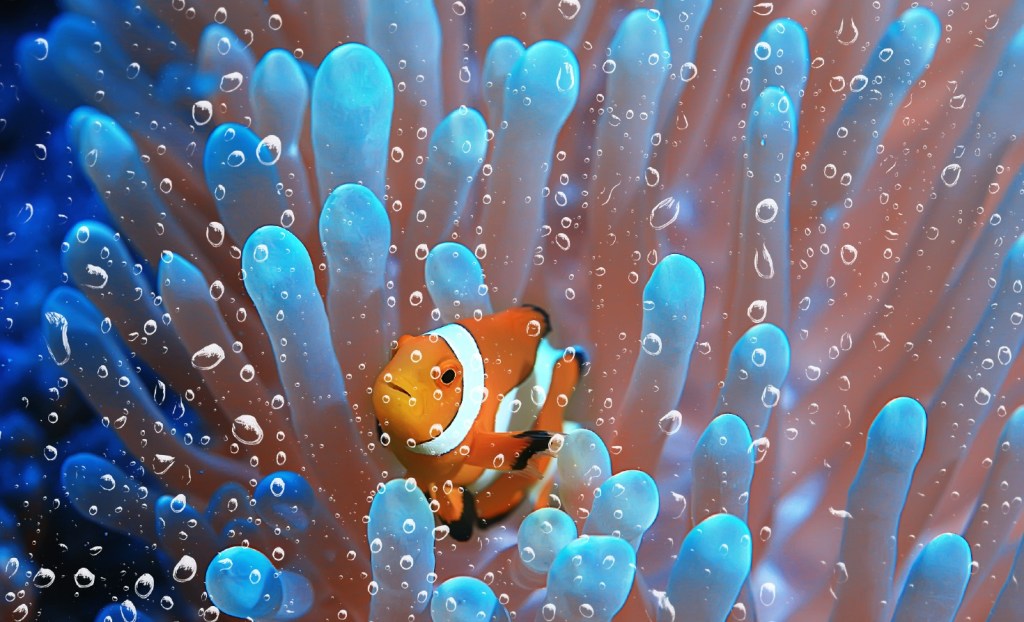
(664, 213)
(84, 578)
(566, 78)
(766, 211)
(208, 357)
(185, 569)
(44, 578)
(757, 311)
(231, 82)
(268, 151)
(144, 585)
(246, 430)
(950, 175)
(671, 422)
(651, 344)
(57, 337)
(40, 48)
(202, 112)
(569, 8)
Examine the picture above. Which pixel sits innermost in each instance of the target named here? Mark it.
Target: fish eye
(448, 376)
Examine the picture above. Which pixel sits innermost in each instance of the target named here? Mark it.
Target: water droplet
(569, 8)
(766, 211)
(687, 72)
(848, 254)
(839, 513)
(162, 463)
(231, 82)
(757, 311)
(246, 430)
(762, 50)
(268, 151)
(144, 585)
(44, 578)
(566, 78)
(202, 112)
(671, 422)
(664, 213)
(215, 234)
(40, 48)
(84, 578)
(178, 504)
(950, 175)
(208, 357)
(97, 274)
(763, 264)
(57, 337)
(185, 569)
(847, 38)
(651, 344)
(235, 159)
(548, 611)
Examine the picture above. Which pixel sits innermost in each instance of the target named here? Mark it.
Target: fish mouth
(397, 388)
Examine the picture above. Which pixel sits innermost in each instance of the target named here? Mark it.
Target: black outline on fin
(462, 529)
(539, 440)
(544, 314)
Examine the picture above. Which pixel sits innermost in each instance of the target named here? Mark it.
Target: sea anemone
(700, 195)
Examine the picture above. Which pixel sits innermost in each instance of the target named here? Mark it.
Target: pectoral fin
(507, 451)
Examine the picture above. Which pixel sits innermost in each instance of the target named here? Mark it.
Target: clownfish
(471, 408)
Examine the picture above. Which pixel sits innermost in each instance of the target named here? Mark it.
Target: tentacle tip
(922, 26)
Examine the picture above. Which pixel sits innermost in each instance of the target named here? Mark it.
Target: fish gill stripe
(540, 376)
(463, 344)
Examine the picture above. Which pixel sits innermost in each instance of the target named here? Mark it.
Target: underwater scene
(511, 310)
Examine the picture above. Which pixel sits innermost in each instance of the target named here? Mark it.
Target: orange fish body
(468, 407)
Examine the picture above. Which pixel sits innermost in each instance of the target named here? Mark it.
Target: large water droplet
(144, 585)
(664, 213)
(44, 578)
(208, 357)
(671, 422)
(57, 337)
(185, 569)
(247, 430)
(84, 578)
(230, 82)
(202, 112)
(569, 8)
